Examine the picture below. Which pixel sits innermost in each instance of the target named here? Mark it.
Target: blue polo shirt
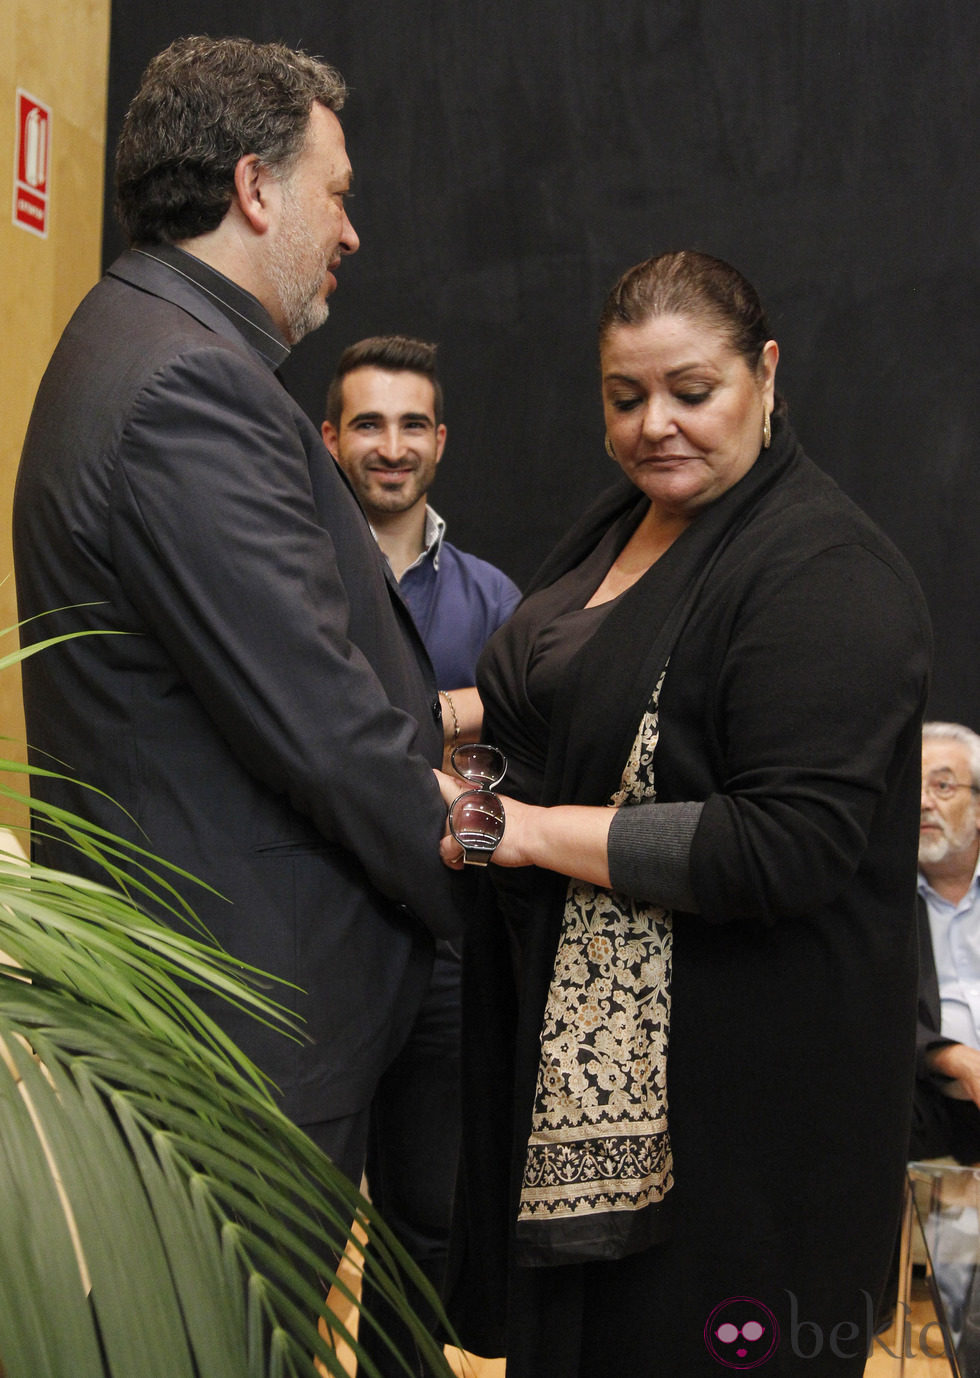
(457, 601)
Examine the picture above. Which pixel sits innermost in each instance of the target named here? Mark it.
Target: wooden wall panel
(58, 51)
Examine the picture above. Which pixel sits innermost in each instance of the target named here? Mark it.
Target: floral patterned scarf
(599, 1163)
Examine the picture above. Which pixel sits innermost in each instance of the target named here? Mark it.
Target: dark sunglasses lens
(481, 765)
(476, 819)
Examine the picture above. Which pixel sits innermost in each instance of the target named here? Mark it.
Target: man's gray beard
(297, 285)
(934, 849)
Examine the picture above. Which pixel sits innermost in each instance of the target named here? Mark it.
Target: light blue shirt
(955, 932)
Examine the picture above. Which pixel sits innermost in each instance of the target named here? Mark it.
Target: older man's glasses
(476, 817)
(939, 787)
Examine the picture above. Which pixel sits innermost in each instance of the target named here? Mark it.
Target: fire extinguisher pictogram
(32, 163)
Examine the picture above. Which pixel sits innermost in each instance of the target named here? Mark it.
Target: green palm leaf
(158, 1214)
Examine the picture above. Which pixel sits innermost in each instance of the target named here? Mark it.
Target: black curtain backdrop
(511, 160)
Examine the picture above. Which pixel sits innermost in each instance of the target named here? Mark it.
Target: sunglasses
(476, 817)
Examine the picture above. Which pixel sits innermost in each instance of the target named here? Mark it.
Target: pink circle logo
(741, 1333)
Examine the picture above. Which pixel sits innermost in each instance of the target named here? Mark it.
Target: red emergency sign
(32, 164)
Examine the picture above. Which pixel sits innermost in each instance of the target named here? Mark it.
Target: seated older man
(946, 1116)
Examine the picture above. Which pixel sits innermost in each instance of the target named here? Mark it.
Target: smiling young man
(947, 1108)
(384, 426)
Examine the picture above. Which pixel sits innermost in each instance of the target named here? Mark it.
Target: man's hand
(961, 1062)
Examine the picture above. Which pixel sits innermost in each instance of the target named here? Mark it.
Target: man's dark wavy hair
(394, 354)
(202, 104)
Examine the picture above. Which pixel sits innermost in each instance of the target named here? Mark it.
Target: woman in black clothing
(691, 980)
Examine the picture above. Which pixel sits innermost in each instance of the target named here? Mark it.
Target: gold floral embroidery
(599, 1138)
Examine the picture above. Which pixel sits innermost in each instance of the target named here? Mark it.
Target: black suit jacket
(928, 1035)
(269, 716)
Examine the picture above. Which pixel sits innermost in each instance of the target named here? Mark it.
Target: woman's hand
(568, 838)
(508, 852)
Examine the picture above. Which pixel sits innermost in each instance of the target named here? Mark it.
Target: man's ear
(256, 191)
(440, 442)
(330, 438)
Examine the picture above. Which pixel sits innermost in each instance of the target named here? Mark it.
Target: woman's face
(684, 412)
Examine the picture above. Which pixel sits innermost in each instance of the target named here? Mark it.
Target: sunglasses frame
(481, 800)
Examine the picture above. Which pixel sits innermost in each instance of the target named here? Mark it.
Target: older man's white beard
(933, 849)
(298, 271)
(936, 847)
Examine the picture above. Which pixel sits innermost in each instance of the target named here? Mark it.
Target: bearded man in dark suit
(270, 718)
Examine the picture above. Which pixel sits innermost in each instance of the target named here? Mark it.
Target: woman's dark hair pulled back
(688, 283)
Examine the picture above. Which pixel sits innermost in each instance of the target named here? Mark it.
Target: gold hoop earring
(609, 449)
(766, 431)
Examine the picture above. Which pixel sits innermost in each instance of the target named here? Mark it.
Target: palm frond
(158, 1213)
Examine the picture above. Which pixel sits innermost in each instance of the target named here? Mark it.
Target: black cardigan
(791, 713)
